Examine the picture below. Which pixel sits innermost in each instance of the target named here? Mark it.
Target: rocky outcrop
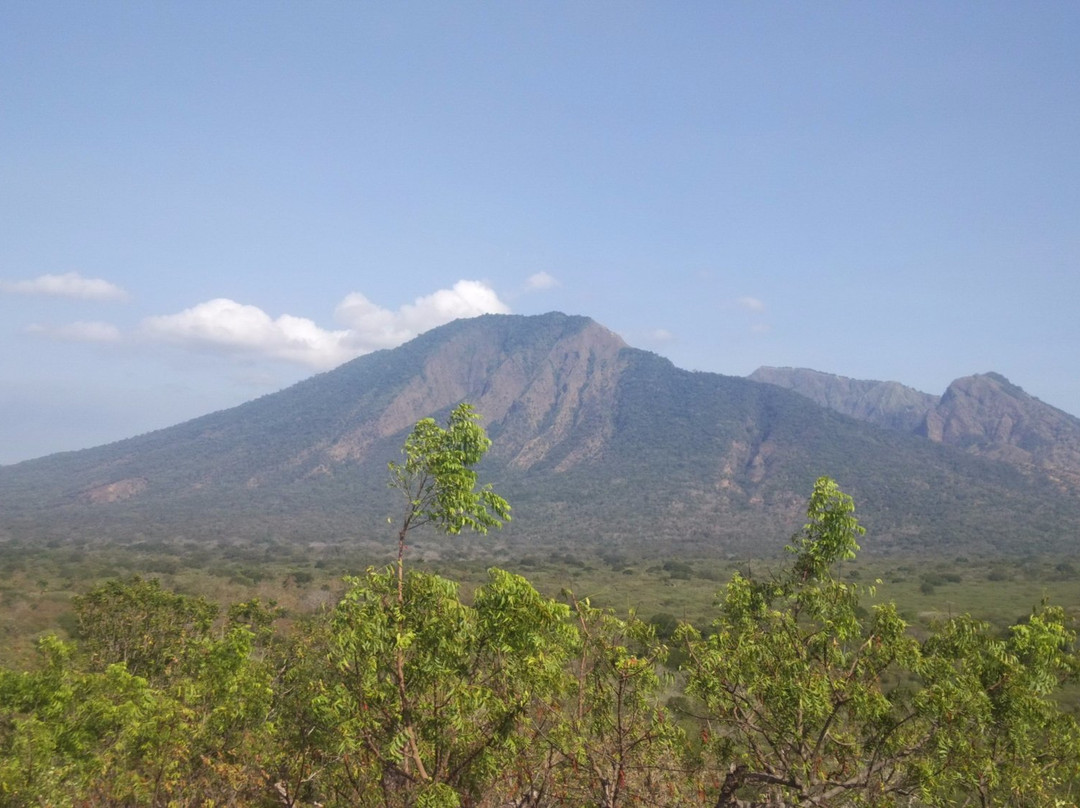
(888, 404)
(114, 492)
(986, 414)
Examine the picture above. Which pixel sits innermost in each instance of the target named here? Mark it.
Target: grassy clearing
(37, 583)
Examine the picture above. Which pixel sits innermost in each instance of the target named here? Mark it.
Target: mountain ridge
(885, 403)
(593, 441)
(984, 413)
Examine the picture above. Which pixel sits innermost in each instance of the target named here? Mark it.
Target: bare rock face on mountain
(888, 404)
(985, 414)
(532, 394)
(594, 443)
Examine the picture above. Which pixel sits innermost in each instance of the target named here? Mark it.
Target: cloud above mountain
(371, 326)
(70, 285)
(541, 280)
(223, 325)
(235, 328)
(244, 331)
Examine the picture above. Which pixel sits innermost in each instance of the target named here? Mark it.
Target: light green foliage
(792, 682)
(830, 534)
(811, 703)
(431, 692)
(438, 480)
(65, 730)
(76, 737)
(473, 678)
(1000, 736)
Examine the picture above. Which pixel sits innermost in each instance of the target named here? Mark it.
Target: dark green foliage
(138, 624)
(664, 624)
(678, 569)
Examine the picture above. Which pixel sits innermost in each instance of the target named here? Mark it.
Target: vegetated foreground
(407, 693)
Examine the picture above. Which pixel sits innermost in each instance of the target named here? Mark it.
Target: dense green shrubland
(796, 692)
(409, 689)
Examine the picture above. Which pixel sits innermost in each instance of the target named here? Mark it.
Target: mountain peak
(984, 414)
(529, 376)
(987, 414)
(989, 383)
(593, 441)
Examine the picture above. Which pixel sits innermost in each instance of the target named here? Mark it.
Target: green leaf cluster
(84, 729)
(809, 703)
(438, 480)
(472, 677)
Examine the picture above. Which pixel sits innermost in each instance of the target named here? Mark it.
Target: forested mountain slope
(984, 414)
(595, 443)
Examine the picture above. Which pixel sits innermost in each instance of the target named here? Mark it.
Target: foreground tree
(434, 709)
(995, 722)
(809, 703)
(136, 622)
(439, 485)
(410, 695)
(438, 481)
(103, 737)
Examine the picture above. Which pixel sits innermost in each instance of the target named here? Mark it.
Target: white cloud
(70, 284)
(661, 335)
(751, 304)
(465, 299)
(541, 280)
(81, 331)
(248, 330)
(242, 329)
(372, 327)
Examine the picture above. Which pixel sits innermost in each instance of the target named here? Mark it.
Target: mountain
(987, 415)
(984, 414)
(888, 404)
(595, 444)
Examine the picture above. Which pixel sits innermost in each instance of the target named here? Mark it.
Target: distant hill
(984, 414)
(888, 404)
(595, 444)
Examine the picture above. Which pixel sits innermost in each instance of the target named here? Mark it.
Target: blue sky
(201, 203)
